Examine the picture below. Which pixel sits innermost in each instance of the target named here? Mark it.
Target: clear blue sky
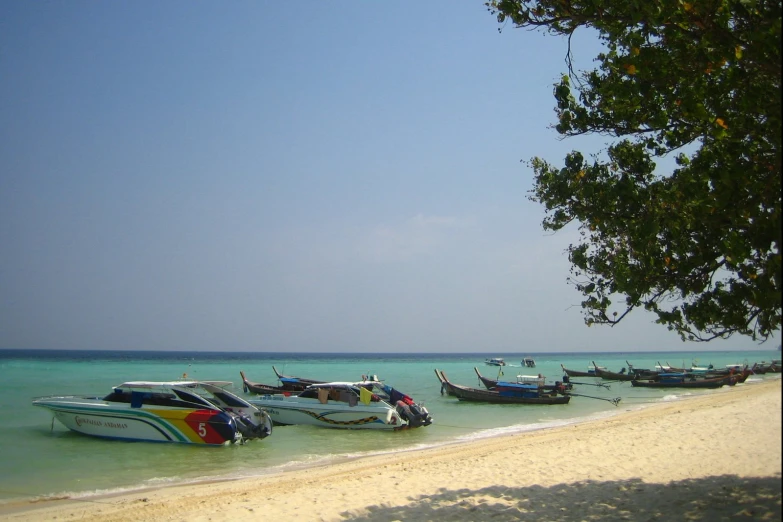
(285, 176)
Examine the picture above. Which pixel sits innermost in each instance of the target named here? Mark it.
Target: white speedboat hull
(162, 412)
(143, 424)
(296, 410)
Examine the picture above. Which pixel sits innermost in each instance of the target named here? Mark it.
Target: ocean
(42, 459)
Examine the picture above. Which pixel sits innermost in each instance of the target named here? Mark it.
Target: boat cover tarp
(517, 386)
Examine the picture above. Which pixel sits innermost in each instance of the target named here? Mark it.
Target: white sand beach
(711, 457)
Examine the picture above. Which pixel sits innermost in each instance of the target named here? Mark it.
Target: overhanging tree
(698, 246)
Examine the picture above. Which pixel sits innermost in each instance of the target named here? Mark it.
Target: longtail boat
(605, 374)
(622, 375)
(684, 380)
(290, 383)
(578, 373)
(539, 380)
(505, 393)
(261, 389)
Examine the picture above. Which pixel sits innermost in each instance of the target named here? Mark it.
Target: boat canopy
(518, 386)
(173, 384)
(344, 384)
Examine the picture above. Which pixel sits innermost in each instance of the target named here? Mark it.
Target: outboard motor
(413, 413)
(249, 430)
(416, 415)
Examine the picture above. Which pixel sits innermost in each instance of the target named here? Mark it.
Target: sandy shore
(714, 457)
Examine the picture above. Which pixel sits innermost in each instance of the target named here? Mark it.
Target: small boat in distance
(191, 412)
(495, 361)
(528, 362)
(348, 405)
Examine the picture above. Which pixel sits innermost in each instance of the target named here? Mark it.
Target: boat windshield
(192, 397)
(377, 389)
(230, 400)
(345, 392)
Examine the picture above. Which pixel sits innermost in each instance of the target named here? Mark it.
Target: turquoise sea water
(41, 458)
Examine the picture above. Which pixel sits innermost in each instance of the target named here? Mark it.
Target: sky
(289, 177)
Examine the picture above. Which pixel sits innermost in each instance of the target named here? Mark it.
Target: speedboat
(348, 405)
(191, 412)
(495, 361)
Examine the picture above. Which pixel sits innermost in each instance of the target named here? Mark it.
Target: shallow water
(48, 460)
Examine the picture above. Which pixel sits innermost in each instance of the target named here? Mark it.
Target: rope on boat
(643, 397)
(614, 401)
(648, 402)
(602, 385)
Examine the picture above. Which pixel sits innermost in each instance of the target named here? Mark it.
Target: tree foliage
(698, 246)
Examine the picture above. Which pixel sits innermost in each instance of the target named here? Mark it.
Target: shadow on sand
(726, 497)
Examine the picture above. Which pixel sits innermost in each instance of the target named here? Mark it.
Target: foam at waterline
(671, 397)
(538, 426)
(623, 408)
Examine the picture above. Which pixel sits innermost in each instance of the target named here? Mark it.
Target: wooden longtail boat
(491, 384)
(760, 369)
(563, 388)
(683, 380)
(487, 382)
(290, 383)
(684, 383)
(622, 375)
(507, 393)
(578, 373)
(613, 376)
(765, 367)
(261, 389)
(743, 375)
